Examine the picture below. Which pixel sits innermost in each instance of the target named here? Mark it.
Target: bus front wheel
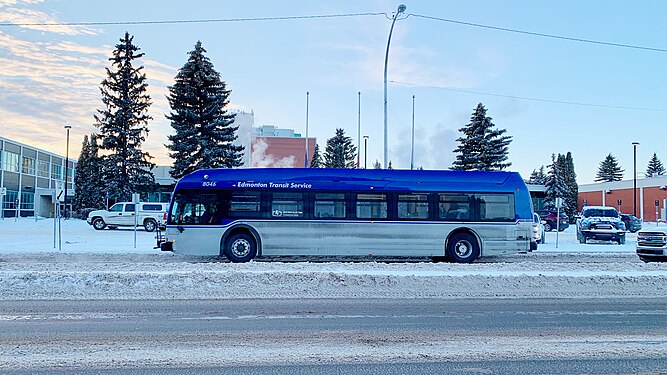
(463, 248)
(240, 248)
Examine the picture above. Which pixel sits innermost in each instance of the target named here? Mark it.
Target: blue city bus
(246, 213)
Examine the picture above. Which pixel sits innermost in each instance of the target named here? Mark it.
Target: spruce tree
(572, 194)
(123, 124)
(204, 128)
(538, 177)
(340, 151)
(609, 170)
(655, 167)
(555, 185)
(88, 177)
(377, 164)
(317, 158)
(482, 147)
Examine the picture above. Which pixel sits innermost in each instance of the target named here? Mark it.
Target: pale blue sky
(49, 77)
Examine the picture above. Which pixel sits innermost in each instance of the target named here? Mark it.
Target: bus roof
(354, 179)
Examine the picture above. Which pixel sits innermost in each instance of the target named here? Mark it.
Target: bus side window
(371, 206)
(496, 207)
(454, 207)
(330, 205)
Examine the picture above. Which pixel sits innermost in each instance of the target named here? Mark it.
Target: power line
(212, 20)
(542, 34)
(323, 16)
(532, 99)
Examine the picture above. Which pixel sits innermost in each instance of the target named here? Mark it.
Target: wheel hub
(240, 248)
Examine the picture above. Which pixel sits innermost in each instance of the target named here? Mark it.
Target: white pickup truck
(150, 215)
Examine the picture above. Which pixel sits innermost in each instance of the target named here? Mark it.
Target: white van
(150, 215)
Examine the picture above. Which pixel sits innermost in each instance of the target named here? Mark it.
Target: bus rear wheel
(463, 248)
(240, 248)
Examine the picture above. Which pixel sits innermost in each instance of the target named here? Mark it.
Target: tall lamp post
(634, 177)
(359, 129)
(68, 127)
(365, 152)
(401, 9)
(412, 152)
(306, 164)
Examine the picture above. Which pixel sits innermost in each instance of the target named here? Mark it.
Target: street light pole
(359, 130)
(634, 178)
(412, 153)
(68, 127)
(365, 152)
(306, 165)
(401, 9)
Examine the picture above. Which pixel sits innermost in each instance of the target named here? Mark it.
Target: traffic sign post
(559, 203)
(3, 192)
(135, 200)
(657, 206)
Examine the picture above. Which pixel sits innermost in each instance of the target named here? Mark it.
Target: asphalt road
(330, 336)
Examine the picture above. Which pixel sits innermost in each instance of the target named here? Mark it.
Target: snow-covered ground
(89, 264)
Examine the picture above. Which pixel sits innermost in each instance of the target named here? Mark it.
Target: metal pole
(68, 127)
(401, 9)
(412, 153)
(634, 178)
(359, 129)
(55, 217)
(307, 103)
(366, 152)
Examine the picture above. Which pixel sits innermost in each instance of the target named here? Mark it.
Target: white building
(29, 177)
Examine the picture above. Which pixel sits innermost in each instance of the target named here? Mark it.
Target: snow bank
(105, 265)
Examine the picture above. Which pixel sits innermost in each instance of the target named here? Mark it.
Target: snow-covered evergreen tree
(655, 167)
(340, 151)
(204, 128)
(389, 166)
(317, 158)
(88, 178)
(377, 164)
(482, 147)
(609, 170)
(555, 185)
(123, 124)
(538, 177)
(571, 197)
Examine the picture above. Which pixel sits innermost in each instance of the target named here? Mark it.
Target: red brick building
(651, 196)
(281, 152)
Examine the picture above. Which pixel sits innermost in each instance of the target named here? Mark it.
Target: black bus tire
(463, 248)
(240, 247)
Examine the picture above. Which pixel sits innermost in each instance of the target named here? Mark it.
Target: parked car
(150, 215)
(600, 223)
(538, 231)
(550, 218)
(652, 245)
(632, 223)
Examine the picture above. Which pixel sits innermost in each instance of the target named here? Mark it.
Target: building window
(10, 200)
(43, 169)
(27, 201)
(10, 161)
(56, 172)
(28, 165)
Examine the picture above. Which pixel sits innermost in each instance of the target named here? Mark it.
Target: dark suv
(632, 223)
(550, 218)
